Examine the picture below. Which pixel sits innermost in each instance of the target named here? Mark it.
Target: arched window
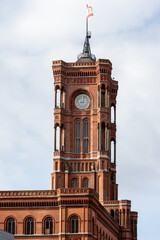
(11, 226)
(63, 97)
(74, 224)
(57, 138)
(112, 213)
(29, 226)
(78, 136)
(57, 98)
(86, 183)
(75, 183)
(113, 114)
(103, 96)
(99, 96)
(103, 135)
(48, 225)
(113, 151)
(62, 138)
(86, 136)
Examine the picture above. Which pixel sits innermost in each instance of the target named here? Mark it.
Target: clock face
(82, 101)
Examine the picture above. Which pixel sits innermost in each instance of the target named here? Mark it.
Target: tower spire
(86, 55)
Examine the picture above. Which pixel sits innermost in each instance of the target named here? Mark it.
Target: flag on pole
(89, 11)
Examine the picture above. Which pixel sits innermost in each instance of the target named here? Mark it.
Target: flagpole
(86, 24)
(86, 27)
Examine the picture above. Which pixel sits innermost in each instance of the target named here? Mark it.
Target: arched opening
(57, 98)
(29, 226)
(99, 98)
(112, 213)
(103, 96)
(62, 138)
(85, 183)
(74, 224)
(48, 224)
(63, 98)
(103, 136)
(57, 138)
(113, 114)
(113, 151)
(75, 183)
(86, 136)
(78, 136)
(11, 225)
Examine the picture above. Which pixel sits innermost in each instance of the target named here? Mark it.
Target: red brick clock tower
(83, 201)
(85, 130)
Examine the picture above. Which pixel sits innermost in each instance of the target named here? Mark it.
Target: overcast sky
(35, 32)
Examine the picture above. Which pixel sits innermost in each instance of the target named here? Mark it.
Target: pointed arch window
(74, 224)
(86, 136)
(48, 225)
(78, 136)
(11, 225)
(29, 226)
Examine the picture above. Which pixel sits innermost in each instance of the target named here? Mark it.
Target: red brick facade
(83, 203)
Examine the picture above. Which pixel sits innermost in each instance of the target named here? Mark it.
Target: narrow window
(74, 183)
(29, 226)
(103, 136)
(99, 100)
(57, 138)
(98, 136)
(85, 183)
(11, 226)
(86, 167)
(112, 213)
(113, 152)
(63, 96)
(74, 224)
(113, 114)
(79, 167)
(78, 140)
(58, 95)
(86, 136)
(63, 138)
(48, 225)
(103, 96)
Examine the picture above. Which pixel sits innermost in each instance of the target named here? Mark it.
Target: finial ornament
(86, 56)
